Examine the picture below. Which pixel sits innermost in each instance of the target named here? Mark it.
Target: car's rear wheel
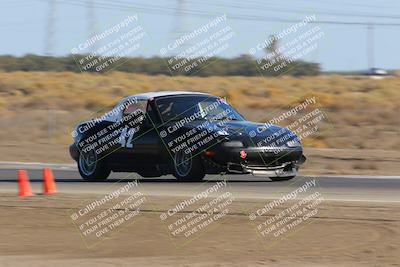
(91, 168)
(187, 167)
(280, 179)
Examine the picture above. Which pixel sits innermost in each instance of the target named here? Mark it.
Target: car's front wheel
(91, 168)
(187, 167)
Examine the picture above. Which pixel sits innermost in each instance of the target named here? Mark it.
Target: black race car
(186, 134)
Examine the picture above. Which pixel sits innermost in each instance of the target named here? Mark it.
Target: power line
(335, 3)
(151, 9)
(289, 10)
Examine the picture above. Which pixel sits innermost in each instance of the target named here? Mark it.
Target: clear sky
(23, 24)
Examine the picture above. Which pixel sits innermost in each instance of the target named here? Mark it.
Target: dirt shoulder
(351, 162)
(39, 232)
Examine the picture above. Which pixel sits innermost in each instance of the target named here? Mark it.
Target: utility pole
(370, 42)
(179, 28)
(51, 31)
(91, 19)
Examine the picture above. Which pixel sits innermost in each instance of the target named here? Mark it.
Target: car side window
(136, 107)
(134, 114)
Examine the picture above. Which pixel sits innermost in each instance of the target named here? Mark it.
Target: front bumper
(260, 161)
(284, 170)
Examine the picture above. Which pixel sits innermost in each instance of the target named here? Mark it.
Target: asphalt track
(340, 188)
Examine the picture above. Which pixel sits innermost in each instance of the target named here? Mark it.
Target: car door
(138, 141)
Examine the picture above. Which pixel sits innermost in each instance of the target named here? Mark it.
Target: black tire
(194, 171)
(280, 179)
(92, 170)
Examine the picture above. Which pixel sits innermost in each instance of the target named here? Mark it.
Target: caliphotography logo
(282, 52)
(193, 51)
(99, 218)
(199, 133)
(289, 213)
(109, 48)
(205, 210)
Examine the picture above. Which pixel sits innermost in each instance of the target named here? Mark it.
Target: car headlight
(293, 143)
(233, 144)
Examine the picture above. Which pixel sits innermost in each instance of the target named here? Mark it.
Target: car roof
(149, 95)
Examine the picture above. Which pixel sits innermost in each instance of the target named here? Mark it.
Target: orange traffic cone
(49, 185)
(25, 189)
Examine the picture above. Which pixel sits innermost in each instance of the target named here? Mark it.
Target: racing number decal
(126, 137)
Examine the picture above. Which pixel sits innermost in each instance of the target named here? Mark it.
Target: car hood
(246, 127)
(257, 132)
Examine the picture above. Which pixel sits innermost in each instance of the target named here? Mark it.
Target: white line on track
(72, 167)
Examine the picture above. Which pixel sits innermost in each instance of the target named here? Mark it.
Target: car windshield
(196, 107)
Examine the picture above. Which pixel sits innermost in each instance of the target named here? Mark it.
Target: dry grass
(42, 107)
